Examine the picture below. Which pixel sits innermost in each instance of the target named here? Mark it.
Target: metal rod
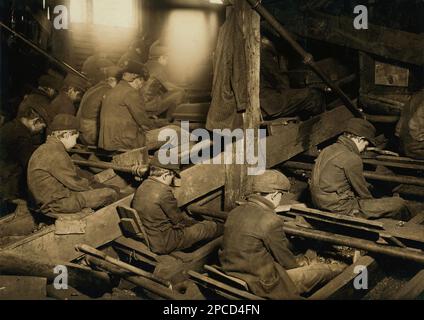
(395, 252)
(375, 162)
(44, 53)
(308, 59)
(368, 175)
(401, 253)
(107, 165)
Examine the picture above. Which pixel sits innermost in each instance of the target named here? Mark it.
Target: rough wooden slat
(219, 286)
(22, 288)
(202, 179)
(342, 286)
(418, 219)
(285, 146)
(413, 289)
(102, 227)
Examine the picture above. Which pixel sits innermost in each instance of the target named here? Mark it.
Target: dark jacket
(412, 128)
(123, 120)
(89, 112)
(16, 148)
(255, 249)
(273, 69)
(158, 210)
(230, 85)
(62, 104)
(338, 181)
(52, 174)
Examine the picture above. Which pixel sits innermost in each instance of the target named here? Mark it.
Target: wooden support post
(236, 178)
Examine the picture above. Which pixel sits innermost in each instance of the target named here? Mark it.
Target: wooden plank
(342, 286)
(340, 217)
(22, 288)
(382, 41)
(219, 286)
(418, 219)
(286, 145)
(200, 180)
(413, 289)
(102, 227)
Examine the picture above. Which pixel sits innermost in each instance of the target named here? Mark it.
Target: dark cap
(48, 81)
(135, 67)
(171, 167)
(76, 82)
(362, 128)
(38, 104)
(113, 71)
(64, 122)
(42, 112)
(271, 181)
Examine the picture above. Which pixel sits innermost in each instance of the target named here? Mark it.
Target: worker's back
(246, 252)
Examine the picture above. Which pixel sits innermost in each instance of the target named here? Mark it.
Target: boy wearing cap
(165, 96)
(137, 51)
(124, 123)
(53, 179)
(256, 250)
(338, 184)
(89, 111)
(94, 65)
(168, 229)
(16, 148)
(69, 97)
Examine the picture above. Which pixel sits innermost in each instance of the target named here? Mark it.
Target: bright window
(114, 13)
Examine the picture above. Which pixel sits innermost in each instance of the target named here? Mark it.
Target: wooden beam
(200, 180)
(23, 288)
(385, 42)
(343, 285)
(102, 227)
(413, 289)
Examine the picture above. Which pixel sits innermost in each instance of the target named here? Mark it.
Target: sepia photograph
(211, 155)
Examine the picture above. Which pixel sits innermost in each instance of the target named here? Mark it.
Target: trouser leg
(200, 231)
(309, 277)
(78, 201)
(291, 102)
(394, 208)
(166, 103)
